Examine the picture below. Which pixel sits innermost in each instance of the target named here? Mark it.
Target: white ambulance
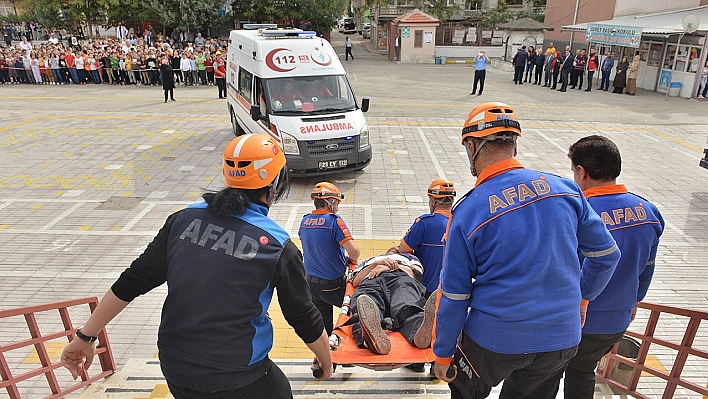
(290, 85)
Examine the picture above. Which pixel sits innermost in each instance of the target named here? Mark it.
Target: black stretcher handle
(317, 372)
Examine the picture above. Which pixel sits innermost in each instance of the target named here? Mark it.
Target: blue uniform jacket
(424, 239)
(636, 225)
(511, 259)
(322, 234)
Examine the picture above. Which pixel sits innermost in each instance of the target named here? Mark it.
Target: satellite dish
(690, 23)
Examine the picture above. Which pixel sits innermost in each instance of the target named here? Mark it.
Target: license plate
(340, 163)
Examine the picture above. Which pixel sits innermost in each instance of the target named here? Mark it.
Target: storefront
(655, 39)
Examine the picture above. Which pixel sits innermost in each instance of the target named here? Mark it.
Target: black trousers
(479, 77)
(324, 296)
(555, 79)
(564, 79)
(221, 84)
(274, 384)
(171, 92)
(538, 77)
(399, 297)
(579, 380)
(525, 376)
(348, 53)
(590, 75)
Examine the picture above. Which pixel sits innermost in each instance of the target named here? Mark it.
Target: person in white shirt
(53, 39)
(186, 66)
(25, 45)
(348, 49)
(121, 32)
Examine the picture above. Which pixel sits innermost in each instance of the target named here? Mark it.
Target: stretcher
(345, 351)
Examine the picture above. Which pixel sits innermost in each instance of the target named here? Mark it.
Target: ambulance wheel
(237, 129)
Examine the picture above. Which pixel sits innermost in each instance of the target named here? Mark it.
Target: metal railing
(103, 349)
(685, 348)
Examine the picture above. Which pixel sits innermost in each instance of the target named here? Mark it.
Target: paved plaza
(90, 173)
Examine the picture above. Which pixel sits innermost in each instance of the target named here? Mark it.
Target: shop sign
(614, 35)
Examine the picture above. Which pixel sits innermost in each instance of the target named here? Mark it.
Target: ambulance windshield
(308, 95)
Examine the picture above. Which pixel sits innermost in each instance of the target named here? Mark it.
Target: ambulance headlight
(364, 136)
(289, 144)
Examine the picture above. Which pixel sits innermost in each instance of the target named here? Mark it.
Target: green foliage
(532, 15)
(185, 14)
(441, 10)
(262, 10)
(497, 15)
(322, 14)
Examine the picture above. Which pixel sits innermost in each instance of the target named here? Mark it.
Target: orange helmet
(491, 119)
(441, 188)
(326, 190)
(252, 161)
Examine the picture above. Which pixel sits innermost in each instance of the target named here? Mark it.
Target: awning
(662, 23)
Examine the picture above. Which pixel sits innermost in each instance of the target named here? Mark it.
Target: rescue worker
(325, 237)
(424, 237)
(636, 225)
(221, 259)
(511, 281)
(389, 287)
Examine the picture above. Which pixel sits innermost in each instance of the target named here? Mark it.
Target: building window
(6, 8)
(515, 2)
(418, 42)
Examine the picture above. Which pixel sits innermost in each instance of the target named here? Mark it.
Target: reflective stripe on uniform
(598, 254)
(456, 297)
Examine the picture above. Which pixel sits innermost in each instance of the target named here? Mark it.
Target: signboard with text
(614, 35)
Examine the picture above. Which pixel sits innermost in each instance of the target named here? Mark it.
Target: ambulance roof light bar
(259, 26)
(287, 32)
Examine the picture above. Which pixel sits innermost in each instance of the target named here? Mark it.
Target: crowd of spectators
(126, 59)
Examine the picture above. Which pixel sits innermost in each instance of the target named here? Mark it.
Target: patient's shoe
(374, 336)
(424, 335)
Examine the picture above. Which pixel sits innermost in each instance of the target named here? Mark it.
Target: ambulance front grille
(329, 147)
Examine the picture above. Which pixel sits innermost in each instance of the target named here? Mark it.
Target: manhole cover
(167, 159)
(120, 203)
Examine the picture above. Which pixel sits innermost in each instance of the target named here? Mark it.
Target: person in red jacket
(209, 64)
(220, 74)
(593, 64)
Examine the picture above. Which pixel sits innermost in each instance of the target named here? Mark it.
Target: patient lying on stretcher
(389, 295)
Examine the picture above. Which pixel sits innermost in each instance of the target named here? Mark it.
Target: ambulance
(290, 85)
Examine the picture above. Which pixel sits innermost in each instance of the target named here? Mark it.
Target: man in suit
(566, 68)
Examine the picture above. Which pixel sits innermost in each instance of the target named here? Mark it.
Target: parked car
(340, 26)
(366, 31)
(349, 26)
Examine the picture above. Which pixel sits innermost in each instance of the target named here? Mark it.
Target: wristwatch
(84, 337)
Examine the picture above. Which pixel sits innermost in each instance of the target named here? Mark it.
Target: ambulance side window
(245, 83)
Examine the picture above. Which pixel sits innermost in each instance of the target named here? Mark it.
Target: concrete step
(142, 379)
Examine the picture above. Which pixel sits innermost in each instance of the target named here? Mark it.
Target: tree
(497, 15)
(185, 14)
(441, 10)
(322, 14)
(262, 10)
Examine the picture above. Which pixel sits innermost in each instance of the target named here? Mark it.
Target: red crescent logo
(321, 54)
(263, 240)
(270, 60)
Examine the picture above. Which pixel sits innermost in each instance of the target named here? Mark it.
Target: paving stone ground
(90, 173)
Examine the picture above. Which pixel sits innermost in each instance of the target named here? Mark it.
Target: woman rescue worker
(221, 259)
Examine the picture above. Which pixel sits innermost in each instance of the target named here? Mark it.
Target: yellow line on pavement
(54, 350)
(18, 124)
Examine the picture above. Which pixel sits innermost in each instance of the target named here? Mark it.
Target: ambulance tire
(237, 129)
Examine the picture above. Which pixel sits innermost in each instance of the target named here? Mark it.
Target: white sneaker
(700, 96)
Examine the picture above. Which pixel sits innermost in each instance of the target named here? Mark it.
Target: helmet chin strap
(473, 170)
(273, 187)
(330, 203)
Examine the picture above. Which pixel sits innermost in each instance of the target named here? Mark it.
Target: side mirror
(256, 113)
(364, 104)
